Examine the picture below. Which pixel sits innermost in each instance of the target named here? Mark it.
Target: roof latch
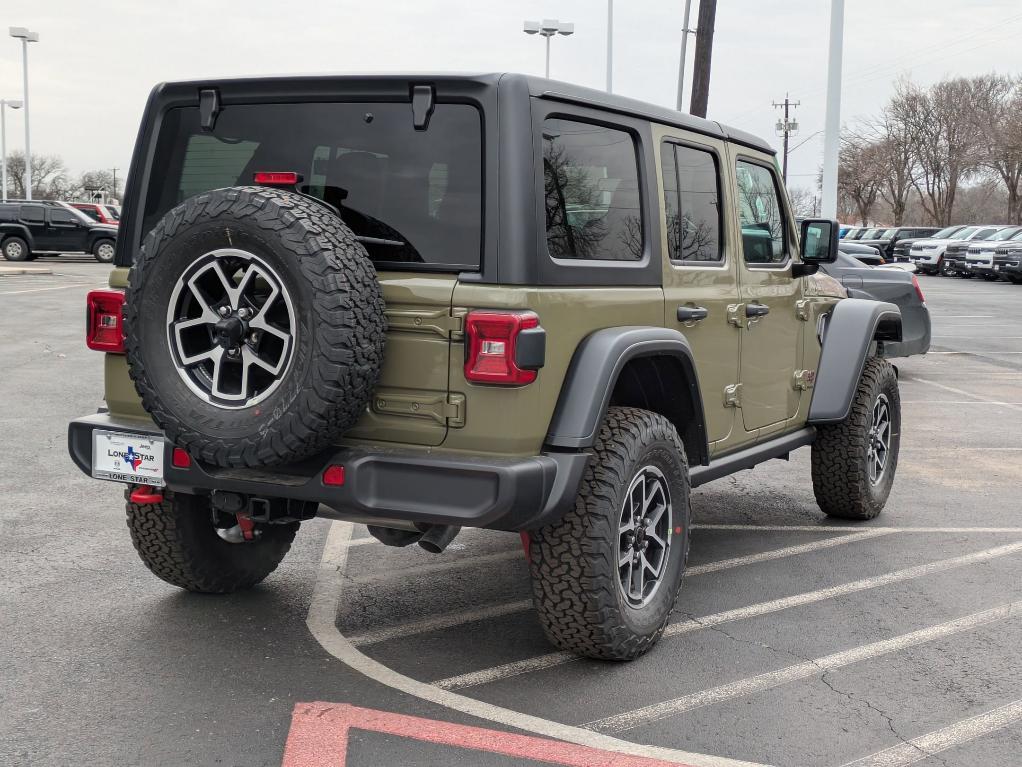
(209, 108)
(423, 101)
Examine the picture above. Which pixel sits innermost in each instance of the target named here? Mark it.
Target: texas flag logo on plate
(122, 457)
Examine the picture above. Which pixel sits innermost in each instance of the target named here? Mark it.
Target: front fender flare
(594, 370)
(852, 327)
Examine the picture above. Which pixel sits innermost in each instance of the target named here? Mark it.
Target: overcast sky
(97, 60)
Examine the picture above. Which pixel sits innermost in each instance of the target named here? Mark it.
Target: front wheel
(854, 461)
(179, 541)
(606, 576)
(103, 251)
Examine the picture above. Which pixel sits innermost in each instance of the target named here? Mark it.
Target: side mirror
(819, 239)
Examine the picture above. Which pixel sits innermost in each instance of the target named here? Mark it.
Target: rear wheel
(854, 461)
(607, 575)
(16, 249)
(180, 541)
(103, 251)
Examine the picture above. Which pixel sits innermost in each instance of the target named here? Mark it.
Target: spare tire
(254, 326)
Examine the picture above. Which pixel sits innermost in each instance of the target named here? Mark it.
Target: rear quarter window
(591, 192)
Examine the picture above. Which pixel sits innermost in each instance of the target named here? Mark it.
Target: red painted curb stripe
(319, 738)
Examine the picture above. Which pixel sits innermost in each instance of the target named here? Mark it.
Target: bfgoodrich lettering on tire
(854, 461)
(254, 326)
(607, 575)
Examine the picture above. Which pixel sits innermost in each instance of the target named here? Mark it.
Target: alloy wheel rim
(231, 328)
(879, 439)
(14, 249)
(106, 252)
(644, 536)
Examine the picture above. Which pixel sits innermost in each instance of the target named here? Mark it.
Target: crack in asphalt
(830, 686)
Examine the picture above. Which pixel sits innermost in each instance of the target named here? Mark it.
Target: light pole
(832, 131)
(26, 37)
(13, 104)
(610, 46)
(685, 32)
(548, 28)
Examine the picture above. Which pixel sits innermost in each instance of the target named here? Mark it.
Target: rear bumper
(386, 484)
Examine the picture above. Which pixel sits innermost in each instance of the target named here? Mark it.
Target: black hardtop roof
(538, 86)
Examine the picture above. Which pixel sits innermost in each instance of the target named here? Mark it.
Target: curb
(13, 271)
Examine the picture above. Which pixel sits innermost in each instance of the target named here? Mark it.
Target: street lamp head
(12, 103)
(532, 27)
(22, 33)
(566, 29)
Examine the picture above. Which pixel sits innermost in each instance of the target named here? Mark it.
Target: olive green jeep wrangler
(424, 303)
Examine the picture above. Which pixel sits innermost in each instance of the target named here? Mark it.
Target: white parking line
(56, 287)
(940, 740)
(842, 528)
(647, 714)
(470, 616)
(550, 660)
(328, 595)
(439, 567)
(445, 621)
(966, 394)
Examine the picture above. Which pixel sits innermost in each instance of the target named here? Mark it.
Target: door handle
(692, 313)
(756, 310)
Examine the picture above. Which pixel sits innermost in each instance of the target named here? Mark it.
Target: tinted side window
(62, 217)
(691, 195)
(32, 214)
(764, 231)
(591, 192)
(91, 213)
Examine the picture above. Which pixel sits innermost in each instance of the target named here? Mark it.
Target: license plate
(124, 457)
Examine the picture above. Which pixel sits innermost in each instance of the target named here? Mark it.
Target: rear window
(415, 196)
(90, 212)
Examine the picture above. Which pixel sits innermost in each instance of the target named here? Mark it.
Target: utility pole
(704, 52)
(832, 131)
(786, 127)
(113, 192)
(685, 32)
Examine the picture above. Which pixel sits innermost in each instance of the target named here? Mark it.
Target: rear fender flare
(851, 328)
(18, 230)
(594, 371)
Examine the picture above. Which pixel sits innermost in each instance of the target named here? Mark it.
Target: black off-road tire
(16, 249)
(339, 322)
(574, 562)
(840, 470)
(176, 539)
(103, 251)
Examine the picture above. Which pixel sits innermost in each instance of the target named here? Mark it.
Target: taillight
(492, 340)
(919, 290)
(104, 328)
(276, 178)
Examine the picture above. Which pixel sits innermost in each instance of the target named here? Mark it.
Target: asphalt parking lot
(797, 641)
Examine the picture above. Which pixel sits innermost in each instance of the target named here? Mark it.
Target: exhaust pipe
(437, 537)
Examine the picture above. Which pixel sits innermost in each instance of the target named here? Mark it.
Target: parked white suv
(928, 255)
(979, 257)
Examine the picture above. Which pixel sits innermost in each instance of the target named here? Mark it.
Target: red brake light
(276, 178)
(492, 338)
(104, 327)
(919, 290)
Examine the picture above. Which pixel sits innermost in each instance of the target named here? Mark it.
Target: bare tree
(804, 202)
(49, 176)
(1000, 126)
(858, 177)
(895, 163)
(944, 142)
